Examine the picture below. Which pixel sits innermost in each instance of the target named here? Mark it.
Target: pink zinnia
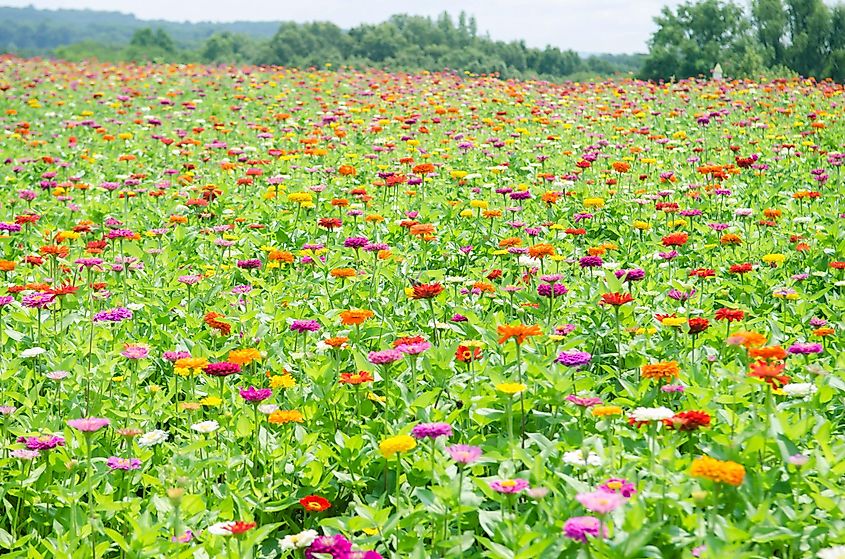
(135, 351)
(384, 357)
(414, 349)
(464, 453)
(509, 486)
(579, 528)
(601, 502)
(88, 424)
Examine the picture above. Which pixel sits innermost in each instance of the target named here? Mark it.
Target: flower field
(268, 313)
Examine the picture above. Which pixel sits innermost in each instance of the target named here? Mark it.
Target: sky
(586, 26)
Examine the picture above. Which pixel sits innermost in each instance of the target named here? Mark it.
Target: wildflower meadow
(263, 312)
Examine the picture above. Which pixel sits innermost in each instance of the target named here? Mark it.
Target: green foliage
(404, 42)
(802, 36)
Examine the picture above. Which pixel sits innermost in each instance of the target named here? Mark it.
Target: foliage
(284, 295)
(804, 36)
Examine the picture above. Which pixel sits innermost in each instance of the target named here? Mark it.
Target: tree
(809, 26)
(769, 20)
(692, 39)
(149, 45)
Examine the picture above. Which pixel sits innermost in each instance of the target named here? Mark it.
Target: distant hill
(31, 30)
(402, 42)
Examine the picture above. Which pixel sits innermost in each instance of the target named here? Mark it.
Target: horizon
(586, 33)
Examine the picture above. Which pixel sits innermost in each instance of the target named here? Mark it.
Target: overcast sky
(582, 25)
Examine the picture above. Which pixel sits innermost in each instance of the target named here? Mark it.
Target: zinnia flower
(396, 444)
(315, 503)
(509, 486)
(431, 430)
(718, 470)
(578, 528)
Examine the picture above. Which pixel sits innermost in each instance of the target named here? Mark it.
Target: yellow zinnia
(392, 445)
(510, 387)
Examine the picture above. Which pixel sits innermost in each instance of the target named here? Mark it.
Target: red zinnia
(698, 325)
(329, 222)
(465, 354)
(731, 315)
(356, 378)
(741, 268)
(675, 240)
(427, 291)
(688, 420)
(240, 527)
(616, 299)
(315, 503)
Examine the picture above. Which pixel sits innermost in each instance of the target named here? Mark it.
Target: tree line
(805, 37)
(763, 37)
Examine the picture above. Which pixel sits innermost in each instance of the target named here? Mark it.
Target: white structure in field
(717, 72)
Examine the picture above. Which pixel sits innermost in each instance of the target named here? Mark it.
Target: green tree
(769, 20)
(690, 40)
(809, 27)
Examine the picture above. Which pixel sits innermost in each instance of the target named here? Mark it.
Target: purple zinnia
(38, 300)
(681, 295)
(431, 430)
(355, 242)
(573, 358)
(551, 290)
(254, 395)
(805, 348)
(44, 442)
(336, 547)
(117, 314)
(591, 261)
(634, 274)
(249, 264)
(302, 326)
(117, 463)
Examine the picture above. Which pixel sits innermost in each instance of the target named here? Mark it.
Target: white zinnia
(209, 426)
(652, 414)
(576, 457)
(799, 389)
(221, 528)
(153, 438)
(32, 352)
(528, 262)
(298, 541)
(835, 552)
(267, 409)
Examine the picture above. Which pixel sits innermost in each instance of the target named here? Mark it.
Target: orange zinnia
(355, 316)
(773, 352)
(663, 370)
(541, 250)
(769, 373)
(518, 331)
